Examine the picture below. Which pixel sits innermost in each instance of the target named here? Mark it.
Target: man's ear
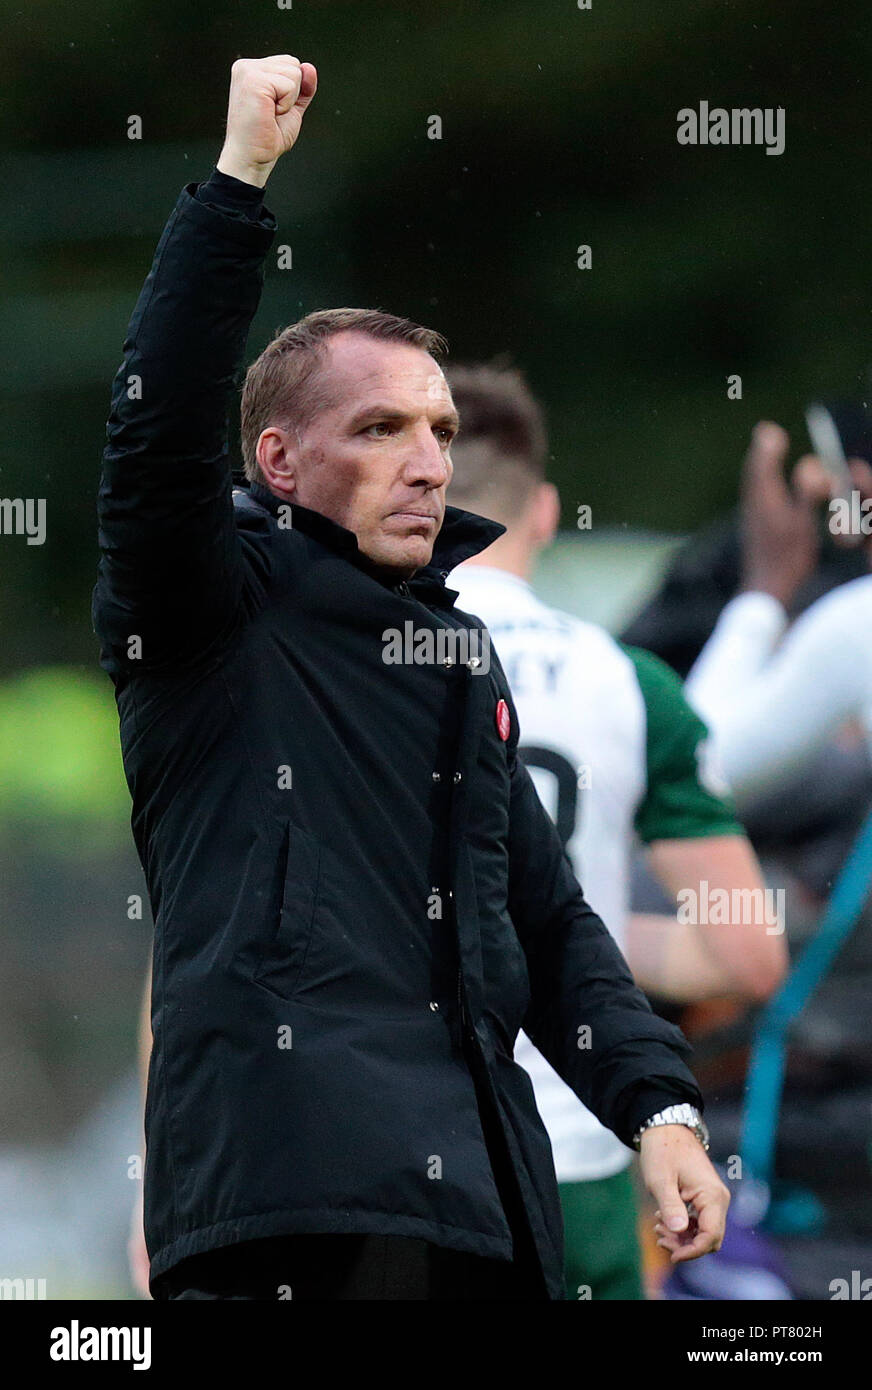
(545, 514)
(277, 455)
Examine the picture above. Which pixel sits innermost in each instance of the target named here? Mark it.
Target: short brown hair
(500, 453)
(280, 386)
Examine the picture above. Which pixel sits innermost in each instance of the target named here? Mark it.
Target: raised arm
(171, 572)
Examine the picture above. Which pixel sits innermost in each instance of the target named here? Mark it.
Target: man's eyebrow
(378, 412)
(449, 416)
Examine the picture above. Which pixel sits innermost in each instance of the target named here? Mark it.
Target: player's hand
(268, 99)
(780, 526)
(678, 1174)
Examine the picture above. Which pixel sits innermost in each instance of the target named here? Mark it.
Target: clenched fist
(268, 98)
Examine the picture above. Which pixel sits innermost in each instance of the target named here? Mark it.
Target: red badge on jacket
(504, 720)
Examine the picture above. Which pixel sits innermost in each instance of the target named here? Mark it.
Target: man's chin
(401, 557)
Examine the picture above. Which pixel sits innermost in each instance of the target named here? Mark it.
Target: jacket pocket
(282, 963)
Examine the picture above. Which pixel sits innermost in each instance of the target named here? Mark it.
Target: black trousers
(307, 1268)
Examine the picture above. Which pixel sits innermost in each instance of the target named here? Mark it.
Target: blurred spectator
(806, 820)
(772, 710)
(707, 571)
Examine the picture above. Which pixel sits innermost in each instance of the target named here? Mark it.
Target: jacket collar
(461, 535)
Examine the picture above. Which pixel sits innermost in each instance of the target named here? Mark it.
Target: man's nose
(427, 462)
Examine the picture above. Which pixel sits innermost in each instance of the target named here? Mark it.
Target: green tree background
(558, 129)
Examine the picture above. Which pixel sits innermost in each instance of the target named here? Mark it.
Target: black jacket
(304, 813)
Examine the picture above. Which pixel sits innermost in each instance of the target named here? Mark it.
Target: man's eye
(382, 427)
(446, 435)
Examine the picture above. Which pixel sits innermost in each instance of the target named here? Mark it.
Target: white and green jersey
(615, 751)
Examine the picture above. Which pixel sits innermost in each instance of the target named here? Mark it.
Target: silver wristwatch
(683, 1114)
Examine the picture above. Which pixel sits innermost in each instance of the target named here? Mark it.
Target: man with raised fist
(358, 898)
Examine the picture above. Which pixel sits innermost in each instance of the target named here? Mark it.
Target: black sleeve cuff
(231, 195)
(647, 1100)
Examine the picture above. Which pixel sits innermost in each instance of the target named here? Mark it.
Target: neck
(507, 553)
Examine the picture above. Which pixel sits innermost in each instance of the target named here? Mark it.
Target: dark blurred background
(558, 129)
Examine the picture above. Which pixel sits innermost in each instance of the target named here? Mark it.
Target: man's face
(375, 458)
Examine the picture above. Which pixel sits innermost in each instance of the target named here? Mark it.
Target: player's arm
(742, 952)
(723, 938)
(170, 568)
(669, 960)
